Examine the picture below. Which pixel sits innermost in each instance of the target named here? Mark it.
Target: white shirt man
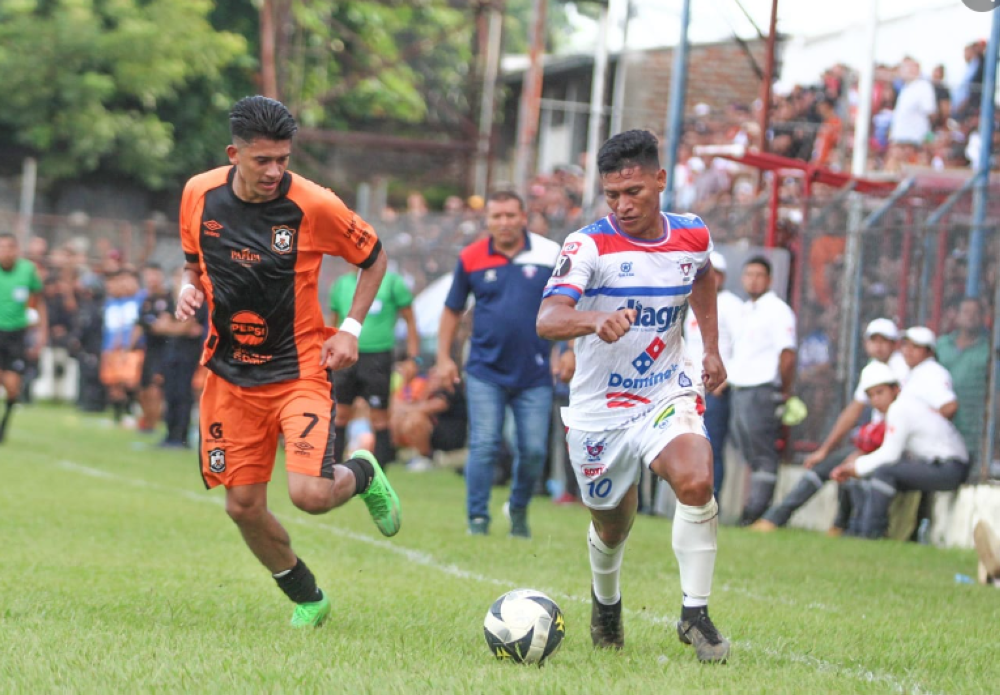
(922, 450)
(911, 119)
(928, 380)
(765, 327)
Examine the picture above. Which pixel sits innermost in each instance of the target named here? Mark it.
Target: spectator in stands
(911, 119)
(120, 364)
(965, 353)
(157, 302)
(176, 368)
(928, 381)
(370, 376)
(717, 410)
(921, 451)
(829, 132)
(967, 93)
(508, 363)
(881, 341)
(429, 423)
(61, 307)
(761, 374)
(942, 96)
(86, 342)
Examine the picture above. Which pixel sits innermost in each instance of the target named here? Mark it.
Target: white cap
(883, 327)
(718, 261)
(876, 373)
(920, 335)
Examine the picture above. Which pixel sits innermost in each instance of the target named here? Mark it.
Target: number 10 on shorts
(599, 488)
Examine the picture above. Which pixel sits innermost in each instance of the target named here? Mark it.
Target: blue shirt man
(508, 363)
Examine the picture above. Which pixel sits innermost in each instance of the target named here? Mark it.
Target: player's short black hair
(631, 148)
(503, 195)
(260, 117)
(761, 261)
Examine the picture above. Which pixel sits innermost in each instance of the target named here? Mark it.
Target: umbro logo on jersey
(211, 228)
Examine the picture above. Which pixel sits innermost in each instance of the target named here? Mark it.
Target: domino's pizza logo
(645, 361)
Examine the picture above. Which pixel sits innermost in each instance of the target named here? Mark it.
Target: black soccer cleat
(696, 628)
(606, 629)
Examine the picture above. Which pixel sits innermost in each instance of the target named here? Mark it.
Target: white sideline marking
(420, 557)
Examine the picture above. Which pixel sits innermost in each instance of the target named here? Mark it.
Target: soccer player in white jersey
(620, 289)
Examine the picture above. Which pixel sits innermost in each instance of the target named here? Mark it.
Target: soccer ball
(524, 626)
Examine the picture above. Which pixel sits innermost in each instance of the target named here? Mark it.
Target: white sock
(605, 565)
(694, 538)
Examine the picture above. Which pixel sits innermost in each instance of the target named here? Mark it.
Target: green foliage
(86, 82)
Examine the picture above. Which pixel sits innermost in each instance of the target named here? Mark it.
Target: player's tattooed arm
(558, 319)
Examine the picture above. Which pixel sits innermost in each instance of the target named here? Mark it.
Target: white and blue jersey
(505, 348)
(604, 269)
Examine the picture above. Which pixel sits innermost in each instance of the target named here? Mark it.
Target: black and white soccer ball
(524, 626)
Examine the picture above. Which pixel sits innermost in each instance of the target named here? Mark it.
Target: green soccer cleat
(311, 614)
(380, 498)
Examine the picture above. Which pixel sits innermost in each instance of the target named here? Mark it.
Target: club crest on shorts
(282, 239)
(594, 447)
(217, 460)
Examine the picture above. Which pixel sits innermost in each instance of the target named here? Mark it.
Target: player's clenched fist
(611, 327)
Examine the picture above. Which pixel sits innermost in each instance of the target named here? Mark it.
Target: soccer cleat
(697, 630)
(311, 614)
(987, 547)
(606, 631)
(479, 526)
(380, 498)
(763, 526)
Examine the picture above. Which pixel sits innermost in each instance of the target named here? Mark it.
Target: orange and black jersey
(260, 266)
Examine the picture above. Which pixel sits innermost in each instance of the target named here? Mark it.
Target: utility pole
(621, 73)
(765, 87)
(675, 114)
(531, 97)
(596, 108)
(268, 73)
(490, 70)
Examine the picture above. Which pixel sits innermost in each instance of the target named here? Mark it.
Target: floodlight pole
(596, 108)
(531, 97)
(675, 114)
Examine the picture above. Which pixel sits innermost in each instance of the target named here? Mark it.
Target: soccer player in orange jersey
(254, 235)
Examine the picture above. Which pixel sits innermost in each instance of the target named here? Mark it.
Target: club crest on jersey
(686, 265)
(529, 271)
(282, 239)
(594, 447)
(491, 275)
(217, 460)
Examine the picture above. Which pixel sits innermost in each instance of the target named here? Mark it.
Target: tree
(86, 83)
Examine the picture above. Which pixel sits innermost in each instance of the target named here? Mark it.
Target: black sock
(118, 408)
(299, 584)
(692, 612)
(383, 448)
(8, 411)
(339, 442)
(363, 473)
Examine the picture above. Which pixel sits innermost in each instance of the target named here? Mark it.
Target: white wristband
(184, 287)
(351, 326)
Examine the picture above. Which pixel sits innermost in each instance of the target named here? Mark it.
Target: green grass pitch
(120, 573)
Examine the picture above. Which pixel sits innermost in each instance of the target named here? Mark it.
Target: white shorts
(607, 463)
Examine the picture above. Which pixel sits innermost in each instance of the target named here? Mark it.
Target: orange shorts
(240, 428)
(121, 367)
